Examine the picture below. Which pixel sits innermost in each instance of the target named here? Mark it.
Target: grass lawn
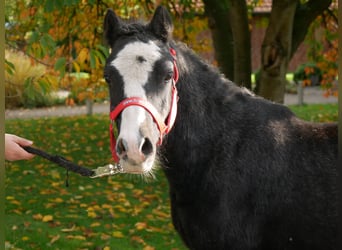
(118, 212)
(317, 112)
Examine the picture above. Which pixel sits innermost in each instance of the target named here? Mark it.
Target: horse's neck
(201, 88)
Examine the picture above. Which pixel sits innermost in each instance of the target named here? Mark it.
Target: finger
(22, 141)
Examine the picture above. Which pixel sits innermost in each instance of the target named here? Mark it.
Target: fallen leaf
(54, 239)
(66, 230)
(118, 234)
(47, 218)
(105, 236)
(160, 213)
(58, 200)
(95, 224)
(106, 206)
(92, 214)
(140, 225)
(76, 237)
(148, 248)
(15, 202)
(138, 239)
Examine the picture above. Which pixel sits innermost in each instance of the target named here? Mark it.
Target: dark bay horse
(244, 173)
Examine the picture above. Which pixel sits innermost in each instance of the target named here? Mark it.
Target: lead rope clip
(107, 170)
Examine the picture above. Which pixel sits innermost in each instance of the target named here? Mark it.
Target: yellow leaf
(66, 230)
(83, 55)
(118, 234)
(37, 216)
(155, 229)
(151, 196)
(17, 211)
(25, 238)
(106, 206)
(96, 207)
(129, 185)
(138, 239)
(55, 174)
(140, 225)
(120, 208)
(92, 214)
(106, 248)
(148, 248)
(138, 192)
(58, 200)
(49, 205)
(76, 66)
(105, 236)
(54, 239)
(76, 237)
(160, 214)
(95, 224)
(15, 202)
(47, 218)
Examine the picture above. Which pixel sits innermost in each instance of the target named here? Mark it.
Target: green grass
(316, 112)
(118, 212)
(289, 77)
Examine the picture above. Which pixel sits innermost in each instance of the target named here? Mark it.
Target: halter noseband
(164, 127)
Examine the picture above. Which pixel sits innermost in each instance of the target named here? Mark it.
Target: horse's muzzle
(134, 152)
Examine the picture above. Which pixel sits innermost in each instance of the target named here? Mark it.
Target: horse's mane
(133, 29)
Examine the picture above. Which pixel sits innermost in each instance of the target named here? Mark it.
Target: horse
(243, 172)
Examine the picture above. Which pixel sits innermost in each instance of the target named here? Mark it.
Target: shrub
(26, 84)
(309, 73)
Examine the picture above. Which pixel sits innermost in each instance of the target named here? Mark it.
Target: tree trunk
(280, 45)
(276, 50)
(241, 42)
(231, 37)
(220, 26)
(228, 21)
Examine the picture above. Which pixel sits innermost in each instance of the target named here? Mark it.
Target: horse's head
(141, 74)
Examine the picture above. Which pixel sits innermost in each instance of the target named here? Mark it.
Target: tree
(228, 21)
(66, 36)
(323, 41)
(288, 25)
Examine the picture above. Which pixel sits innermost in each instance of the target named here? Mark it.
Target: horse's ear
(111, 27)
(161, 24)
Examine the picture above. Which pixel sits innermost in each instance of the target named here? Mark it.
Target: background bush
(27, 84)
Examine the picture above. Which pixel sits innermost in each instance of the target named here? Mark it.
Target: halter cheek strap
(164, 127)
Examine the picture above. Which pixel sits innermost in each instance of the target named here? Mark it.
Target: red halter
(163, 126)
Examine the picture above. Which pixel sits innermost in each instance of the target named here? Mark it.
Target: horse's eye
(168, 77)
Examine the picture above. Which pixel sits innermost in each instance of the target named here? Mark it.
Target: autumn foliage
(67, 37)
(323, 41)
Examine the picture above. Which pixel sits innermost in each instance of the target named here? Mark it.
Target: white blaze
(134, 72)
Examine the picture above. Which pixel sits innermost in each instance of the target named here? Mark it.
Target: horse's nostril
(121, 147)
(147, 147)
(133, 152)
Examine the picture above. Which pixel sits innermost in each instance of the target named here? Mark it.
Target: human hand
(13, 149)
